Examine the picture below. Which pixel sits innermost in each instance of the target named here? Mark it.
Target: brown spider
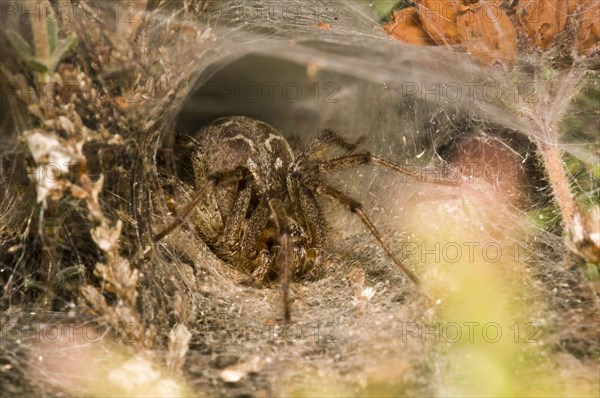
(263, 216)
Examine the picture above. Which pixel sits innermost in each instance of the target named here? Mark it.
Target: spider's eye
(295, 232)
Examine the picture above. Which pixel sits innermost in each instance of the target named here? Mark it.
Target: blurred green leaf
(596, 171)
(68, 273)
(36, 65)
(52, 34)
(586, 180)
(546, 217)
(61, 51)
(580, 124)
(592, 272)
(19, 43)
(383, 8)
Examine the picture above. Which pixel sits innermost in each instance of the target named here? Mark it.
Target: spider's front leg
(237, 213)
(248, 238)
(313, 265)
(255, 243)
(356, 208)
(285, 256)
(311, 230)
(329, 137)
(213, 181)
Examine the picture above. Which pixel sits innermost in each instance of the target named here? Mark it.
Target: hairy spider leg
(316, 228)
(304, 203)
(283, 252)
(368, 158)
(237, 212)
(356, 208)
(237, 174)
(327, 137)
(327, 166)
(256, 224)
(330, 137)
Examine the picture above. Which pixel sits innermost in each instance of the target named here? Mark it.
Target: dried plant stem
(48, 238)
(116, 273)
(39, 29)
(554, 107)
(41, 44)
(552, 157)
(42, 50)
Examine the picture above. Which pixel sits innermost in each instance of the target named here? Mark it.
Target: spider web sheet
(151, 70)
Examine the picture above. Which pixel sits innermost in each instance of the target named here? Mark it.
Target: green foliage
(592, 272)
(60, 52)
(383, 8)
(545, 218)
(36, 65)
(580, 124)
(52, 28)
(586, 178)
(68, 273)
(58, 49)
(20, 44)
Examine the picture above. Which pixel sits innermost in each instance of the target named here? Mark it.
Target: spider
(256, 202)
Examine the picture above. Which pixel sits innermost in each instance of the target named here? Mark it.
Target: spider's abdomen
(241, 141)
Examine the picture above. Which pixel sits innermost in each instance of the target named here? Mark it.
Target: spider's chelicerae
(257, 202)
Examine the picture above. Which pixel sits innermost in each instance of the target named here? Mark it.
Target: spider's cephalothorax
(256, 203)
(236, 219)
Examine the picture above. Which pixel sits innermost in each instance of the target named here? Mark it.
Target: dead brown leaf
(405, 26)
(488, 34)
(438, 17)
(588, 35)
(542, 20)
